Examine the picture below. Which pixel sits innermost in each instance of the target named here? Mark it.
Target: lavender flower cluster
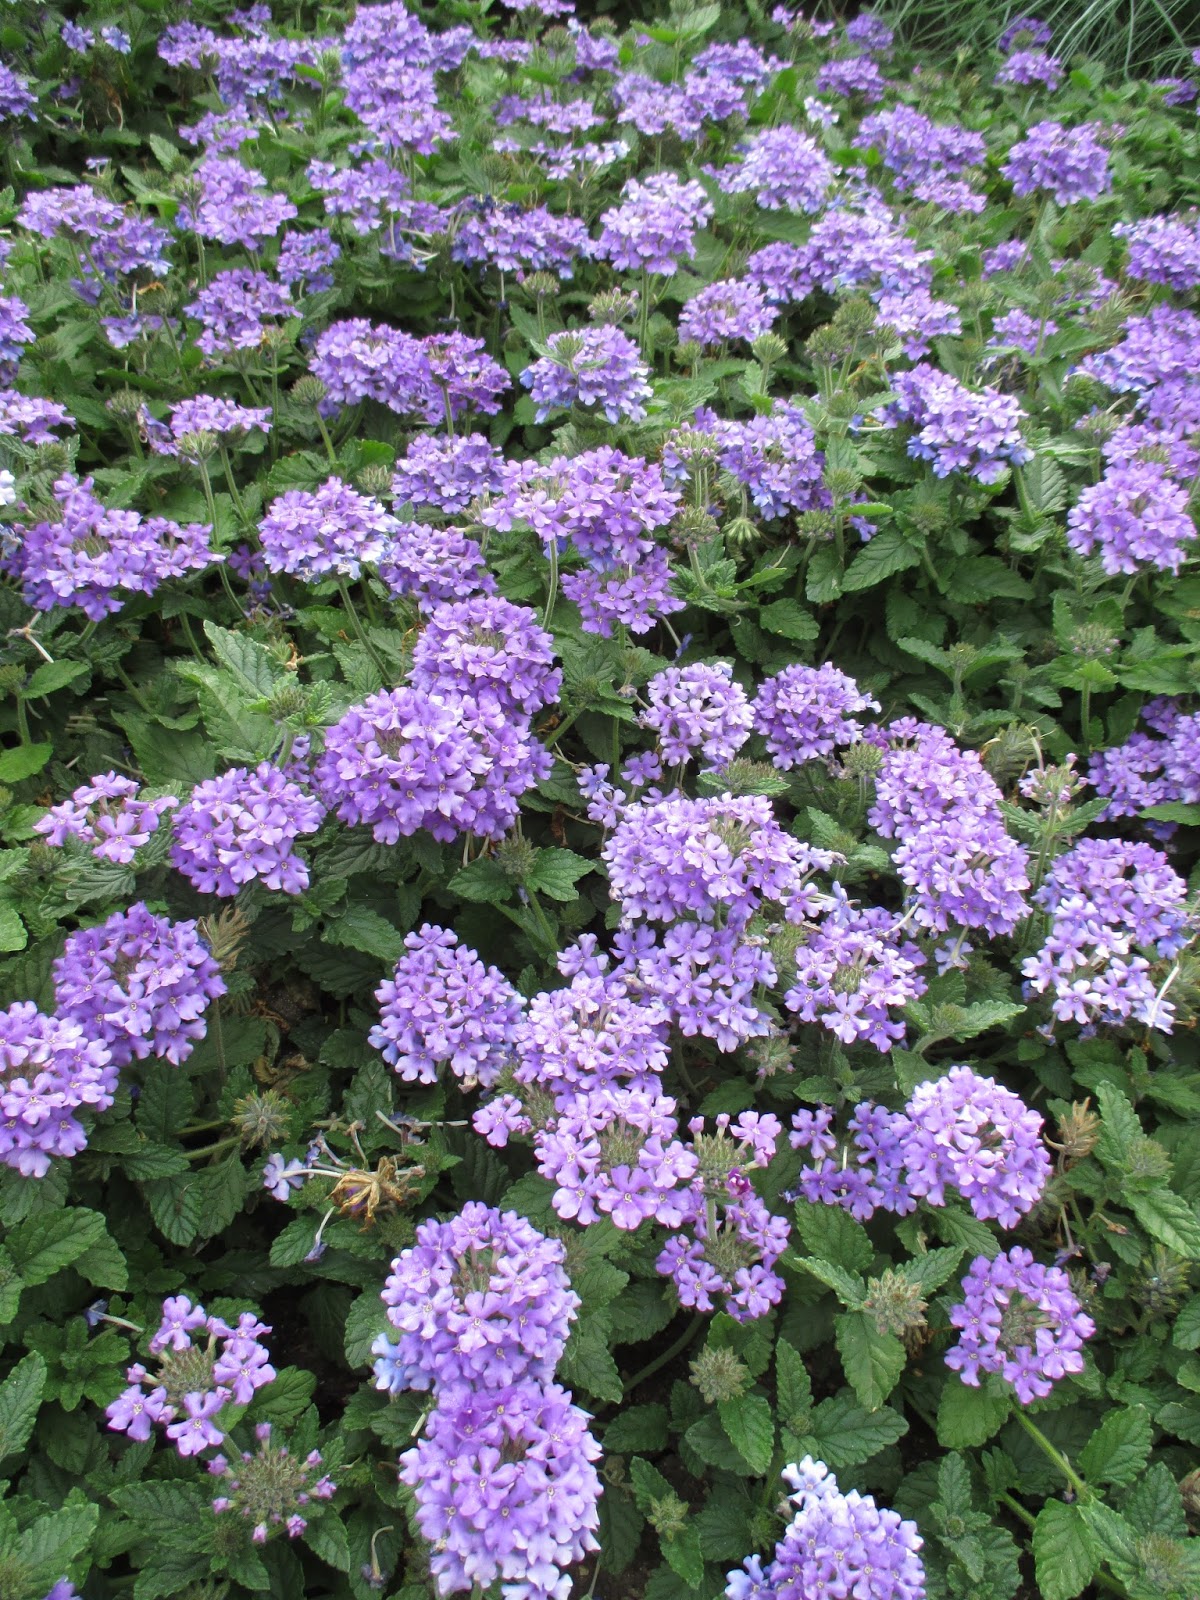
(503, 1477)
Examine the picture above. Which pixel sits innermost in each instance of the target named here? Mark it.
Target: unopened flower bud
(720, 1375)
(895, 1305)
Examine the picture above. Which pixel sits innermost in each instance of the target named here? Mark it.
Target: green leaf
(843, 1434)
(793, 1387)
(49, 1546)
(282, 1400)
(832, 1234)
(177, 1207)
(649, 1485)
(967, 1416)
(684, 1555)
(484, 882)
(1062, 1551)
(751, 1430)
(637, 1428)
(52, 676)
(791, 619)
(933, 1268)
(848, 1286)
(1169, 1218)
(587, 1362)
(20, 1399)
(1119, 1127)
(23, 761)
(1186, 1332)
(872, 1361)
(12, 930)
(1119, 1449)
(43, 1245)
(556, 872)
(326, 1537)
(248, 662)
(621, 1525)
(887, 553)
(362, 929)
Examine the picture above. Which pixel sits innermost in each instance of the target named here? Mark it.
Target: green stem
(329, 450)
(542, 920)
(1054, 1454)
(669, 1354)
(1017, 1509)
(23, 732)
(129, 685)
(214, 1149)
(359, 630)
(552, 583)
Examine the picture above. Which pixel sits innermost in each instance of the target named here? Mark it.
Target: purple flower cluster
(433, 379)
(233, 205)
(479, 1300)
(447, 474)
(193, 1381)
(1148, 771)
(698, 710)
(713, 860)
(443, 1006)
(590, 367)
(783, 168)
(506, 1489)
(1160, 349)
(15, 332)
(1163, 249)
(732, 1241)
(1021, 1320)
(305, 259)
(49, 1068)
(961, 1131)
(321, 532)
(404, 760)
(1027, 69)
(957, 429)
(654, 227)
(1136, 516)
(858, 75)
(728, 309)
(1108, 902)
(238, 310)
(774, 456)
(270, 1487)
(597, 1033)
(835, 1543)
(1070, 164)
(140, 983)
(108, 814)
(513, 239)
(432, 565)
(200, 425)
(1024, 33)
(488, 649)
(96, 558)
(805, 712)
(242, 828)
(613, 1152)
(976, 1136)
(915, 150)
(854, 970)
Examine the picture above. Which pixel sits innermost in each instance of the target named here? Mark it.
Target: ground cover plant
(599, 793)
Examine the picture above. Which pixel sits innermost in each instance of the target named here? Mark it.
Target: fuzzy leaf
(872, 1361)
(1169, 1218)
(42, 1246)
(967, 1416)
(20, 1398)
(1118, 1450)
(843, 1434)
(1062, 1551)
(750, 1427)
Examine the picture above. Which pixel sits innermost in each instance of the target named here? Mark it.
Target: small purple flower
(241, 828)
(1021, 1320)
(805, 712)
(590, 367)
(698, 711)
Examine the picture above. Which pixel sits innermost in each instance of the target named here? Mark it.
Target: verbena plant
(598, 810)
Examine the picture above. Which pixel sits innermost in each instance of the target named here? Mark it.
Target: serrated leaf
(49, 1546)
(637, 1428)
(791, 619)
(751, 1429)
(649, 1484)
(20, 1400)
(365, 930)
(887, 553)
(1119, 1127)
(832, 1234)
(1062, 1551)
(844, 1434)
(249, 663)
(684, 1555)
(933, 1268)
(587, 1363)
(968, 1416)
(1169, 1218)
(1119, 1449)
(44, 1245)
(23, 761)
(326, 1537)
(848, 1286)
(555, 872)
(177, 1207)
(793, 1387)
(872, 1361)
(484, 882)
